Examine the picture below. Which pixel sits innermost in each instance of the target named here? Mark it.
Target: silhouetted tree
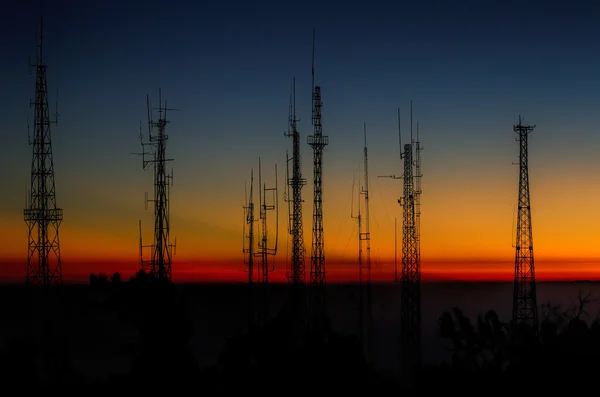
(504, 356)
(116, 278)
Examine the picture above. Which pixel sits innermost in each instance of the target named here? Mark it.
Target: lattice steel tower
(317, 141)
(42, 216)
(410, 278)
(410, 305)
(524, 297)
(417, 202)
(162, 250)
(295, 183)
(264, 249)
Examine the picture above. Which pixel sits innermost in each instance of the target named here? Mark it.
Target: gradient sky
(471, 67)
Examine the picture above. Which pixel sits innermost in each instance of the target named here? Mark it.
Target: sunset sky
(470, 68)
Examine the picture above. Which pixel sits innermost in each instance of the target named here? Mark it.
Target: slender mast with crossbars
(524, 295)
(162, 250)
(42, 215)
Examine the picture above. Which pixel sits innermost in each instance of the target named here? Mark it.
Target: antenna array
(248, 248)
(410, 278)
(162, 250)
(268, 202)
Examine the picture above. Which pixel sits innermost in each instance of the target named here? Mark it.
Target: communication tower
(248, 231)
(296, 308)
(248, 248)
(524, 297)
(295, 183)
(364, 264)
(162, 250)
(268, 202)
(410, 278)
(42, 216)
(317, 141)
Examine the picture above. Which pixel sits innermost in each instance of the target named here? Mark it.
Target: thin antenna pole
(411, 122)
(395, 250)
(313, 73)
(365, 287)
(41, 38)
(399, 135)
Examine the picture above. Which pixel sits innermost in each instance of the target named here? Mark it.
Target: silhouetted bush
(493, 353)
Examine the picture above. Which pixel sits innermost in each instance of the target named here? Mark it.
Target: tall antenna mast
(410, 310)
(248, 246)
(410, 278)
(162, 250)
(296, 182)
(358, 217)
(417, 195)
(296, 276)
(317, 141)
(41, 214)
(524, 297)
(268, 202)
(365, 280)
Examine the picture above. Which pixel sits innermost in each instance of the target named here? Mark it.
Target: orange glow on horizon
(223, 270)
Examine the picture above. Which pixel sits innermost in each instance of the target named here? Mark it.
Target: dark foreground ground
(127, 334)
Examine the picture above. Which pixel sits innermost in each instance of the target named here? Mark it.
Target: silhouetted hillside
(136, 334)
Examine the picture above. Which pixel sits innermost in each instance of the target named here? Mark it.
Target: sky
(470, 68)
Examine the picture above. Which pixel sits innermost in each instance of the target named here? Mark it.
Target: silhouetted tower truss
(42, 216)
(410, 305)
(268, 202)
(162, 251)
(410, 278)
(295, 183)
(317, 141)
(418, 190)
(364, 264)
(524, 298)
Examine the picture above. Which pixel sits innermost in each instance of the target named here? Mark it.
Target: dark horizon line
(240, 283)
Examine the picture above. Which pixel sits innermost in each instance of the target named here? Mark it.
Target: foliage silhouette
(492, 353)
(486, 354)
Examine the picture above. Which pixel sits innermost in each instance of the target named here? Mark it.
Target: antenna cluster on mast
(295, 183)
(410, 277)
(161, 250)
(259, 312)
(364, 264)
